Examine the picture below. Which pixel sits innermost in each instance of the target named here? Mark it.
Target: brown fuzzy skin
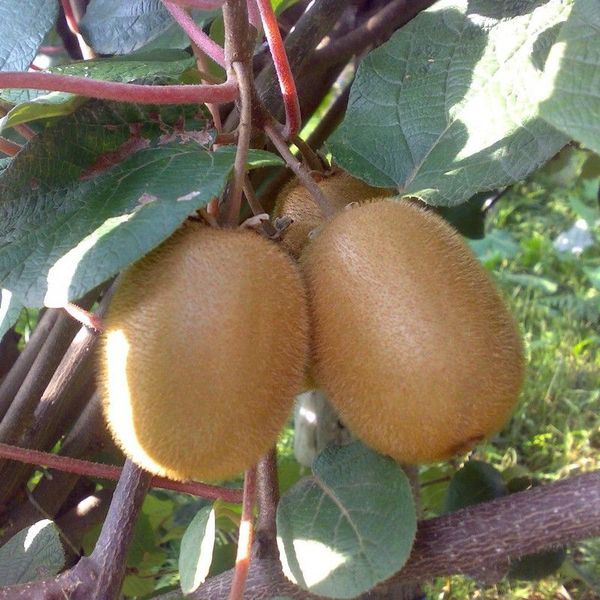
(295, 202)
(217, 331)
(412, 341)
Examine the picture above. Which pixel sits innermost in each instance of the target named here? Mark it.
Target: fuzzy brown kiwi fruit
(294, 201)
(204, 349)
(412, 342)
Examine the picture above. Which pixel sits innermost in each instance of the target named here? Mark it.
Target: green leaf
(476, 482)
(196, 551)
(445, 108)
(10, 309)
(591, 167)
(116, 27)
(98, 191)
(571, 84)
(147, 67)
(33, 553)
(23, 26)
(349, 526)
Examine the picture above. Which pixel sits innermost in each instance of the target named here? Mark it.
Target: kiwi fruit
(294, 201)
(411, 340)
(204, 348)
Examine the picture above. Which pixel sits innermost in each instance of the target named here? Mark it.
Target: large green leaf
(448, 107)
(33, 553)
(195, 555)
(572, 83)
(99, 190)
(349, 526)
(23, 26)
(148, 67)
(117, 27)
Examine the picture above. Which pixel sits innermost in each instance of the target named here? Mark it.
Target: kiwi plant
(204, 348)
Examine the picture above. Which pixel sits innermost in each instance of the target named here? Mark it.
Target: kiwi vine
(284, 250)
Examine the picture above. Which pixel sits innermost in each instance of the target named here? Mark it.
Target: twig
(267, 498)
(242, 559)
(77, 466)
(203, 41)
(234, 200)
(120, 92)
(287, 85)
(8, 147)
(300, 171)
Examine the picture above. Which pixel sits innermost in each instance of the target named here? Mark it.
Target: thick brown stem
(372, 32)
(267, 498)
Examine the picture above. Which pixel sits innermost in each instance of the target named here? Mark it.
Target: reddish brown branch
(113, 472)
(242, 559)
(287, 85)
(121, 92)
(203, 41)
(8, 147)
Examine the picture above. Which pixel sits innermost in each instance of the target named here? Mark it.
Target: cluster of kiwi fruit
(209, 337)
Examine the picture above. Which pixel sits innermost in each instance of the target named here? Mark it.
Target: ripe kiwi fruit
(204, 348)
(294, 201)
(411, 340)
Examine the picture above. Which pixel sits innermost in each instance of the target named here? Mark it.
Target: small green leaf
(196, 551)
(33, 553)
(571, 83)
(447, 107)
(476, 482)
(349, 526)
(10, 308)
(23, 26)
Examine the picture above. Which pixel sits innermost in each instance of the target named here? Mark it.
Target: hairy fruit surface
(204, 349)
(412, 342)
(294, 201)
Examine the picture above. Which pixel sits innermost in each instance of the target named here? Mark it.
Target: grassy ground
(556, 299)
